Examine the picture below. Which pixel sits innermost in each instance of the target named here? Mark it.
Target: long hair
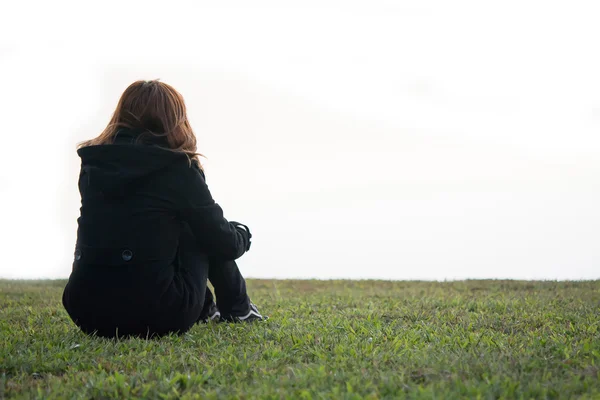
(156, 109)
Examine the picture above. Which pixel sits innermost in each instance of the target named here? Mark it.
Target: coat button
(127, 255)
(77, 255)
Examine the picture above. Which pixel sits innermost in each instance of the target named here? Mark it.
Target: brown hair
(156, 109)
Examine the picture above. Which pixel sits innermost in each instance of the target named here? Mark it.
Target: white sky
(358, 139)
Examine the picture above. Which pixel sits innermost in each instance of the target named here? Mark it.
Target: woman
(150, 234)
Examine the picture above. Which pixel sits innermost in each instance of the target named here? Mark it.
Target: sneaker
(253, 315)
(213, 314)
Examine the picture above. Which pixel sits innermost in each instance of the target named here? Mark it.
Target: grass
(325, 339)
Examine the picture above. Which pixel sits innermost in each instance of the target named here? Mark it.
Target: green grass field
(325, 339)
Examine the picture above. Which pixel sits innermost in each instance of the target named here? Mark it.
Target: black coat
(136, 199)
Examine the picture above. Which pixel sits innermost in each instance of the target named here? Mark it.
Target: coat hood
(112, 169)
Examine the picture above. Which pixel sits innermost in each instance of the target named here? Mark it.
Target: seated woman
(150, 234)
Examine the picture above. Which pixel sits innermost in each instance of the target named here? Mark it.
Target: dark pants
(230, 290)
(225, 277)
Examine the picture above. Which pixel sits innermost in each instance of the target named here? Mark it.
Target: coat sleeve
(206, 220)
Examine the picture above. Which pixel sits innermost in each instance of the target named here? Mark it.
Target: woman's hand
(245, 231)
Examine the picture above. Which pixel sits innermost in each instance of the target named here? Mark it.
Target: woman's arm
(225, 239)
